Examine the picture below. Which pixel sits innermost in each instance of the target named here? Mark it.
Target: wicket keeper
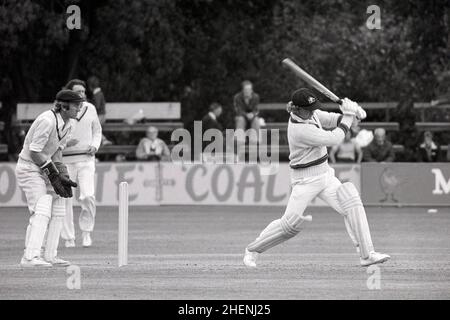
(44, 179)
(312, 177)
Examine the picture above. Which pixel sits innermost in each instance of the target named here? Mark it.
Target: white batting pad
(351, 203)
(38, 226)
(54, 228)
(275, 233)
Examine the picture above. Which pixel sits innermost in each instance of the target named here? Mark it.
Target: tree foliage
(150, 50)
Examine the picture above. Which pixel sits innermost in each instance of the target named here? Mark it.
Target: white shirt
(47, 134)
(308, 139)
(87, 131)
(212, 115)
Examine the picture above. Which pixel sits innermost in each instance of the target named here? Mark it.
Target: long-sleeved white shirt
(88, 132)
(308, 140)
(47, 134)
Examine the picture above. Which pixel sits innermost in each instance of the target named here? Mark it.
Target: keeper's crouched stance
(311, 177)
(45, 181)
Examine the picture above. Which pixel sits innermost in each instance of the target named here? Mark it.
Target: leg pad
(351, 203)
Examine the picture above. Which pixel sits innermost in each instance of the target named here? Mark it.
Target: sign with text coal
(165, 183)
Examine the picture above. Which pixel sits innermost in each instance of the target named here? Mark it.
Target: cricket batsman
(312, 177)
(79, 157)
(44, 179)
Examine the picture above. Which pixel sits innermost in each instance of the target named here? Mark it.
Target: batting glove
(349, 107)
(360, 113)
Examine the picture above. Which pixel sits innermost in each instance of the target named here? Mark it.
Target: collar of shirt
(311, 120)
(82, 112)
(212, 115)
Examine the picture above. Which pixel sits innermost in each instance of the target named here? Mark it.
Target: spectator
(210, 121)
(152, 148)
(246, 108)
(98, 100)
(379, 150)
(429, 151)
(347, 152)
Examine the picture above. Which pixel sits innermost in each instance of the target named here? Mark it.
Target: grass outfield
(196, 253)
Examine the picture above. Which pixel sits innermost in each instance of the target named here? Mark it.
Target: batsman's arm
(329, 120)
(314, 136)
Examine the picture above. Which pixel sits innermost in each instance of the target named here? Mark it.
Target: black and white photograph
(204, 151)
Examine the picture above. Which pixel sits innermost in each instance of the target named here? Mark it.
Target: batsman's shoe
(250, 258)
(374, 258)
(35, 262)
(70, 243)
(87, 241)
(58, 262)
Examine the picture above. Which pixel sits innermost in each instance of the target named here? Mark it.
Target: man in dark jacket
(246, 107)
(379, 150)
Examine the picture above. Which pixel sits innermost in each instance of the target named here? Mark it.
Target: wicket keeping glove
(59, 181)
(65, 179)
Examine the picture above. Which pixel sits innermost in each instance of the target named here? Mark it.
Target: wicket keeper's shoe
(250, 258)
(374, 257)
(87, 241)
(35, 262)
(58, 262)
(70, 243)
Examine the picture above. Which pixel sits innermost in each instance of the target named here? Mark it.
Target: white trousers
(83, 173)
(33, 183)
(304, 190)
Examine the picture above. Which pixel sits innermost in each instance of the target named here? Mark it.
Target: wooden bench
(387, 106)
(433, 126)
(423, 106)
(388, 126)
(141, 127)
(283, 150)
(117, 149)
(162, 115)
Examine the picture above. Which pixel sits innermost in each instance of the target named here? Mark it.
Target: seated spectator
(98, 100)
(246, 108)
(379, 150)
(347, 152)
(429, 151)
(152, 148)
(210, 121)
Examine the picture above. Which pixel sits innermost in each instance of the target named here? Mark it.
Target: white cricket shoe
(250, 258)
(34, 262)
(58, 262)
(70, 243)
(374, 258)
(87, 241)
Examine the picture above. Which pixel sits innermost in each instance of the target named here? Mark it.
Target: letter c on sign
(190, 183)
